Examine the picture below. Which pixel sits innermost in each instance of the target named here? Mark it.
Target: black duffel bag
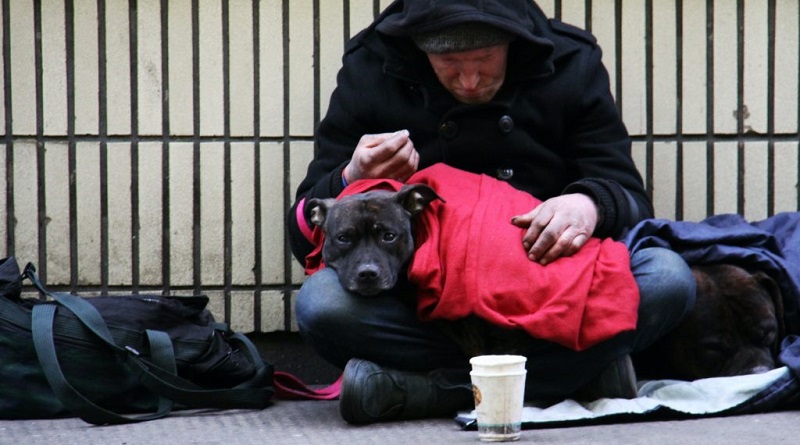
(119, 359)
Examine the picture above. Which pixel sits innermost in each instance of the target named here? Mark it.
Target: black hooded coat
(552, 128)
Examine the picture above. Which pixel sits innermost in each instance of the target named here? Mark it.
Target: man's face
(473, 76)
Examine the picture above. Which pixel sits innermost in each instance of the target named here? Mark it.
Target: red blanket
(469, 260)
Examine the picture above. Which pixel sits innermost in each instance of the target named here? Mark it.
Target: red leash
(289, 387)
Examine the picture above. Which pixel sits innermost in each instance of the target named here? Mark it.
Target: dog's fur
(734, 328)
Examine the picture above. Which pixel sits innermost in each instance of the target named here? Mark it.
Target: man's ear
(415, 197)
(316, 210)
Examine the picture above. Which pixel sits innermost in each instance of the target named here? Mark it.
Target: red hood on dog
(469, 260)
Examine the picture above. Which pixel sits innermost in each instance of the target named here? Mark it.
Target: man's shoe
(371, 393)
(617, 381)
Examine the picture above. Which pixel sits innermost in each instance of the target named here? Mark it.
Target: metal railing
(155, 145)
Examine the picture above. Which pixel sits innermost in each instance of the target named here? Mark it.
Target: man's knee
(667, 292)
(320, 301)
(665, 279)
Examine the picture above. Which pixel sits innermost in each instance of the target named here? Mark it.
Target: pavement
(318, 422)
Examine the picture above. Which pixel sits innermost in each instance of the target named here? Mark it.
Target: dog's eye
(717, 347)
(389, 237)
(768, 337)
(344, 238)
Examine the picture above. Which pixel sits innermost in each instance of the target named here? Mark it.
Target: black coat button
(448, 130)
(505, 173)
(506, 124)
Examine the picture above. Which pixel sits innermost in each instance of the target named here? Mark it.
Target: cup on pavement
(498, 384)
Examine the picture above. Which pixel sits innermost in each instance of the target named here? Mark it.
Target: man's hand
(558, 227)
(386, 155)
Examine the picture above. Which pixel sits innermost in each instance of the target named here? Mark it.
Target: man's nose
(469, 79)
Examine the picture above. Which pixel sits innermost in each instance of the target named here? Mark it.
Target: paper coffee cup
(498, 384)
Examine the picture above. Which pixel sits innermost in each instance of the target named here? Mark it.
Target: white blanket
(698, 398)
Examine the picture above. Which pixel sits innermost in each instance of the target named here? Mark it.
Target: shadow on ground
(288, 353)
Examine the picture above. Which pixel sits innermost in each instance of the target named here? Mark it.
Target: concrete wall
(155, 145)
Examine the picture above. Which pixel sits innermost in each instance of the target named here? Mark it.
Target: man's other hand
(558, 227)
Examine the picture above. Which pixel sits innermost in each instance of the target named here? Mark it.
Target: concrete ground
(315, 422)
(318, 422)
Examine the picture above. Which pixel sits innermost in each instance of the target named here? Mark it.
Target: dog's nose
(368, 273)
(760, 369)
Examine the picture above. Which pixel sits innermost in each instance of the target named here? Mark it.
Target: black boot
(371, 393)
(617, 381)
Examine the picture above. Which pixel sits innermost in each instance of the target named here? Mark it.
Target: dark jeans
(384, 329)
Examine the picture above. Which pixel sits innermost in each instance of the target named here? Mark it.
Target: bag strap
(43, 316)
(158, 375)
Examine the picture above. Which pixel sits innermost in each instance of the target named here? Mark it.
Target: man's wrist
(346, 178)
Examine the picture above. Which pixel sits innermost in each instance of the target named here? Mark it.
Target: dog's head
(734, 328)
(368, 236)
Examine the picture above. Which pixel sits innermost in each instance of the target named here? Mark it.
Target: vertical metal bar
(588, 15)
(103, 140)
(679, 189)
(558, 9)
(134, 153)
(771, 17)
(316, 12)
(648, 62)
(287, 192)
(104, 256)
(102, 110)
(73, 207)
(226, 144)
(258, 235)
(196, 215)
(710, 185)
(740, 107)
(103, 170)
(41, 209)
(346, 21)
(166, 278)
(8, 137)
(618, 49)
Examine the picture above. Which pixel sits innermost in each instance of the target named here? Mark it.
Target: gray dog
(368, 236)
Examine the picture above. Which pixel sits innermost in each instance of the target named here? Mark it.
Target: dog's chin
(760, 369)
(369, 288)
(366, 291)
(750, 368)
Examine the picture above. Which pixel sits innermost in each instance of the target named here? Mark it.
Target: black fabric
(118, 353)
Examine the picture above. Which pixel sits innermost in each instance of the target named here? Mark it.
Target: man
(489, 87)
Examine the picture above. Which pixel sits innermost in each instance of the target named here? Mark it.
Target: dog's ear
(415, 197)
(316, 210)
(776, 296)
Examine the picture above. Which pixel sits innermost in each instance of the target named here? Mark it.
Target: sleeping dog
(734, 328)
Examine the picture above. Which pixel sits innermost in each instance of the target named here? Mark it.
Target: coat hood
(404, 18)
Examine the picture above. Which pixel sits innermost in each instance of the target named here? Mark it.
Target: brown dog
(734, 328)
